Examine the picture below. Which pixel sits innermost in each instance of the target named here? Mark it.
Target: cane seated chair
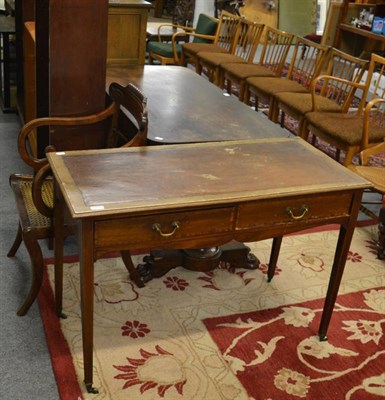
(355, 131)
(275, 47)
(224, 41)
(170, 53)
(34, 193)
(332, 95)
(375, 175)
(247, 41)
(306, 63)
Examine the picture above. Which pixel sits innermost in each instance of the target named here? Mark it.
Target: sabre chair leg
(16, 244)
(36, 257)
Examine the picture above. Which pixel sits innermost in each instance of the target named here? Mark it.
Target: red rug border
(61, 358)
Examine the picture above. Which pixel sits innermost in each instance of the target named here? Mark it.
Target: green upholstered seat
(163, 49)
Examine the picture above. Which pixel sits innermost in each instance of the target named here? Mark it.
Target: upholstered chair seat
(268, 87)
(344, 128)
(302, 103)
(164, 49)
(243, 71)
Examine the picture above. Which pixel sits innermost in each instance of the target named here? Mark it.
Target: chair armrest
(324, 82)
(374, 112)
(30, 128)
(182, 29)
(38, 187)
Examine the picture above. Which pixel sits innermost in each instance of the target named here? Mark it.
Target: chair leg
(37, 261)
(198, 67)
(282, 119)
(16, 243)
(303, 130)
(241, 90)
(246, 95)
(227, 83)
(273, 110)
(349, 156)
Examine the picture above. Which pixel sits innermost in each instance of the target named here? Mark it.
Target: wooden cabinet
(127, 21)
(62, 52)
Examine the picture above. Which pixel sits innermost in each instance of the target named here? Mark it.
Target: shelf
(362, 32)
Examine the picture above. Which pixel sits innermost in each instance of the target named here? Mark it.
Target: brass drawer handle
(157, 227)
(304, 209)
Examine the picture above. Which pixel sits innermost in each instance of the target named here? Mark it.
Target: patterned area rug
(228, 334)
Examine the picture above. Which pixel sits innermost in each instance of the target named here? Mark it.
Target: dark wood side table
(7, 29)
(239, 190)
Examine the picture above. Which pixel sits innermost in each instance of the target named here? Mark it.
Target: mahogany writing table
(200, 195)
(184, 107)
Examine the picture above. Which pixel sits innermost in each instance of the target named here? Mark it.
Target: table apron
(249, 221)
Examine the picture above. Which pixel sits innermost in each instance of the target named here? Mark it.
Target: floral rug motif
(164, 341)
(350, 365)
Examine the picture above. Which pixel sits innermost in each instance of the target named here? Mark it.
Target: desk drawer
(300, 210)
(140, 232)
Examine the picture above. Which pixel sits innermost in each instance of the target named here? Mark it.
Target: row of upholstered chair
(310, 82)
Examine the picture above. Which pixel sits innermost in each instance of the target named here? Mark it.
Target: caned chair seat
(343, 128)
(376, 175)
(33, 226)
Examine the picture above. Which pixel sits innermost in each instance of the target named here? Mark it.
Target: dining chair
(224, 41)
(275, 46)
(170, 53)
(361, 128)
(332, 95)
(306, 63)
(34, 193)
(248, 39)
(375, 175)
